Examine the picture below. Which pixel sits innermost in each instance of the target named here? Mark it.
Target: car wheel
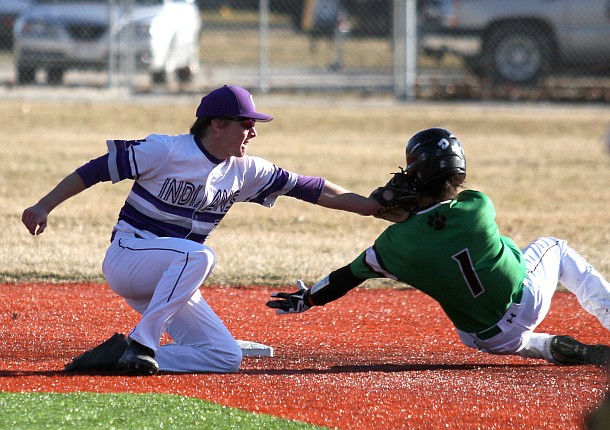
(55, 76)
(520, 57)
(26, 74)
(159, 77)
(184, 75)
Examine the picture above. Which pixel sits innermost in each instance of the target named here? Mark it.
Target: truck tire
(55, 75)
(26, 74)
(184, 75)
(158, 77)
(521, 57)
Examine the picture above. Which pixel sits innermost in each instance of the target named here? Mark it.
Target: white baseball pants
(549, 261)
(160, 279)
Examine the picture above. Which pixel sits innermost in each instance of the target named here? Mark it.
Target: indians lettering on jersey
(222, 201)
(180, 190)
(182, 193)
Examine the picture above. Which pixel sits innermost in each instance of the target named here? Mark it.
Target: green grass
(127, 411)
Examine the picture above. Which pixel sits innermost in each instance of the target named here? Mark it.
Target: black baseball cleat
(138, 360)
(103, 357)
(567, 350)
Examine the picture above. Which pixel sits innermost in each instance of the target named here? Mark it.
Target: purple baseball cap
(229, 101)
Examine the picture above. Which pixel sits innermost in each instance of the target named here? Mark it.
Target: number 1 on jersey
(470, 275)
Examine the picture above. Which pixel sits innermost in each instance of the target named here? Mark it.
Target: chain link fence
(411, 48)
(299, 44)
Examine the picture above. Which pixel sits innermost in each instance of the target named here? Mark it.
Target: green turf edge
(81, 410)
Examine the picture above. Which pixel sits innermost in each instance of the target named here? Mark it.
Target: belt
(490, 332)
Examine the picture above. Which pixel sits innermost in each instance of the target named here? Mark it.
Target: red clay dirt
(376, 359)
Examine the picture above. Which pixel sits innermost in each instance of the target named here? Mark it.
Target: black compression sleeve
(337, 284)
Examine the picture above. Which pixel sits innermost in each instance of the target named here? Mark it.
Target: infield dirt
(377, 359)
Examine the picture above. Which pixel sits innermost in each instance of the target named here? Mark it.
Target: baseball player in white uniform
(450, 248)
(183, 187)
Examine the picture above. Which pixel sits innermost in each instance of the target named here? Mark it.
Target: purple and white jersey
(181, 190)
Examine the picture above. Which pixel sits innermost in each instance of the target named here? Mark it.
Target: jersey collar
(205, 151)
(432, 207)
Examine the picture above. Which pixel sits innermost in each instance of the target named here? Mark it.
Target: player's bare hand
(35, 219)
(291, 303)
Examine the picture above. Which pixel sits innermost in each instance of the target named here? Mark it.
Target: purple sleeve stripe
(94, 171)
(307, 188)
(271, 181)
(123, 165)
(135, 162)
(277, 182)
(123, 158)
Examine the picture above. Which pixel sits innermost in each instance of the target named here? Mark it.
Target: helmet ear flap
(418, 169)
(414, 173)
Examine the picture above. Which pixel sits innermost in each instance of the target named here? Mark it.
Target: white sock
(538, 346)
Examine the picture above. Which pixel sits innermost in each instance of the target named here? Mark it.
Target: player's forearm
(70, 186)
(35, 217)
(332, 287)
(337, 284)
(335, 197)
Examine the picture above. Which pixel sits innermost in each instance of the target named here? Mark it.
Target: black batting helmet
(432, 154)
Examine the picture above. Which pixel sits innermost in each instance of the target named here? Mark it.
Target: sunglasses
(246, 123)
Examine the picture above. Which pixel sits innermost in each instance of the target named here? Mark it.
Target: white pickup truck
(59, 35)
(519, 41)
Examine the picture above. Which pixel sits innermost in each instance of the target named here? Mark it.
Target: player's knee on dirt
(225, 360)
(232, 359)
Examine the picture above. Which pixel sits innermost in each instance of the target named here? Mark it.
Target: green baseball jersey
(454, 253)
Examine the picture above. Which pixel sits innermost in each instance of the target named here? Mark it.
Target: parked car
(9, 11)
(519, 41)
(58, 35)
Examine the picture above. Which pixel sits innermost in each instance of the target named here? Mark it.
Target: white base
(254, 349)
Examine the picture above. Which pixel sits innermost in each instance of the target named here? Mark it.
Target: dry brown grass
(544, 166)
